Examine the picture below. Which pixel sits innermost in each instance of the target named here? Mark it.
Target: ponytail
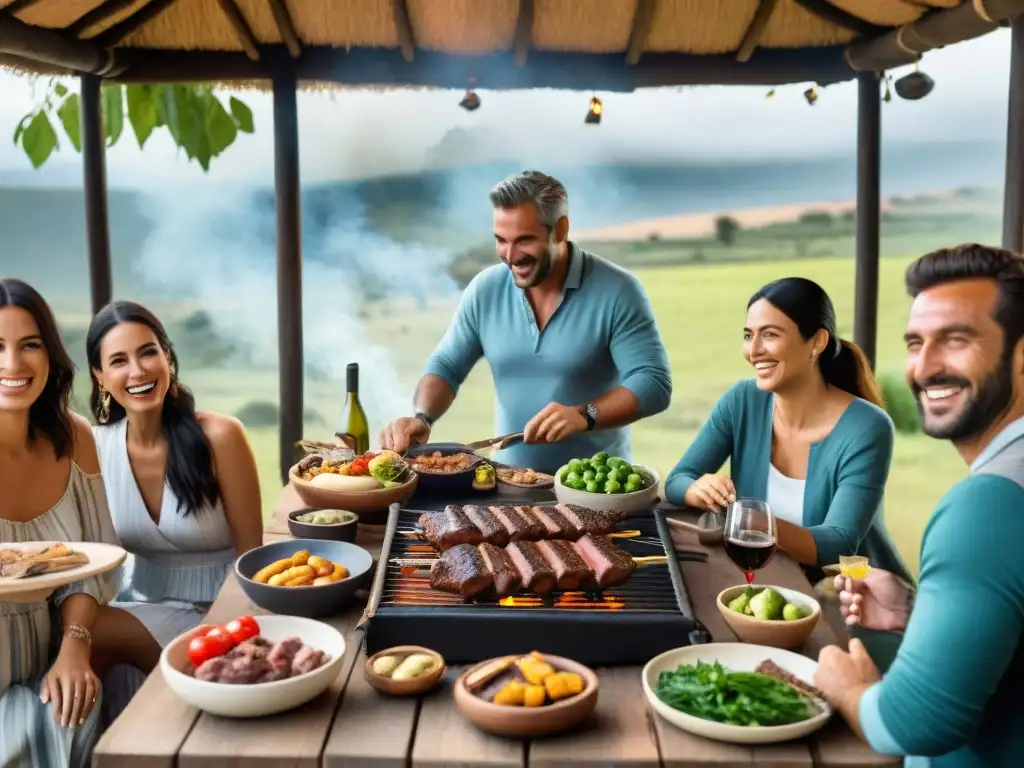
(850, 371)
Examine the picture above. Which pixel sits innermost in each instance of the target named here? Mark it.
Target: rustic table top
(352, 725)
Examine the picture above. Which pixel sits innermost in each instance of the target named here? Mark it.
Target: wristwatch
(589, 412)
(425, 418)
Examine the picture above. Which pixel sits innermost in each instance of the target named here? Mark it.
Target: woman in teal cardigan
(806, 434)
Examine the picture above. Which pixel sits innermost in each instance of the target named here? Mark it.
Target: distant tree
(816, 218)
(726, 229)
(193, 115)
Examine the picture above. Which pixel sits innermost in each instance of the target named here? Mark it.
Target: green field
(700, 311)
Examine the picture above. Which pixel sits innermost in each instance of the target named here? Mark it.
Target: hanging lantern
(916, 85)
(594, 113)
(811, 95)
(471, 101)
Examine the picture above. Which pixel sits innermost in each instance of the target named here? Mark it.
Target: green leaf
(242, 115)
(167, 110)
(112, 99)
(142, 111)
(70, 119)
(39, 139)
(20, 127)
(220, 126)
(192, 123)
(60, 89)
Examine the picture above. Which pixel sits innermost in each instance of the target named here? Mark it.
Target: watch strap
(425, 418)
(590, 414)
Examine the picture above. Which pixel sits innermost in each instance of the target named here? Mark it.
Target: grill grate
(647, 615)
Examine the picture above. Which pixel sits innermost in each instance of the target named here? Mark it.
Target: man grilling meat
(570, 339)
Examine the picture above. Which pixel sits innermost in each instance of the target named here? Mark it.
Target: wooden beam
(937, 29)
(403, 28)
(756, 29)
(289, 264)
(524, 33)
(51, 47)
(97, 15)
(824, 10)
(285, 26)
(869, 199)
(241, 27)
(108, 38)
(1013, 190)
(94, 177)
(18, 6)
(545, 69)
(643, 17)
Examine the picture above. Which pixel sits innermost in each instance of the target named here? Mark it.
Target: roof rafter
(97, 15)
(286, 27)
(758, 24)
(124, 28)
(403, 28)
(524, 33)
(824, 10)
(52, 47)
(241, 27)
(17, 6)
(643, 18)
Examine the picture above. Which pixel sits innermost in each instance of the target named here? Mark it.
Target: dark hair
(50, 415)
(843, 363)
(546, 193)
(190, 472)
(972, 260)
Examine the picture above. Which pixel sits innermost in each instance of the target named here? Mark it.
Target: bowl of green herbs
(736, 692)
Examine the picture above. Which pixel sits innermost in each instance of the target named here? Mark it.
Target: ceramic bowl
(529, 722)
(735, 657)
(412, 687)
(259, 699)
(628, 502)
(773, 633)
(339, 532)
(369, 506)
(312, 602)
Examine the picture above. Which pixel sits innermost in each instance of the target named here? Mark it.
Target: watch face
(592, 411)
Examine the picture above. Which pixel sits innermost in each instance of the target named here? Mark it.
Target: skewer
(421, 565)
(417, 534)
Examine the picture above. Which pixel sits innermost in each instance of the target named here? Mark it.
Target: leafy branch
(198, 122)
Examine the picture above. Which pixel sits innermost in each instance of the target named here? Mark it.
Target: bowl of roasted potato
(304, 577)
(533, 694)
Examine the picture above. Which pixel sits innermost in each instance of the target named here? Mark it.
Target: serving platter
(34, 589)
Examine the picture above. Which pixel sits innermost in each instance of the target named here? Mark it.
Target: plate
(34, 589)
(736, 657)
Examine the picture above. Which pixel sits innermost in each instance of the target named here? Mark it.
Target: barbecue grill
(649, 614)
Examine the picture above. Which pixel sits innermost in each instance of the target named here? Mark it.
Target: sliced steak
(592, 521)
(612, 566)
(535, 529)
(556, 525)
(462, 571)
(506, 576)
(513, 522)
(535, 572)
(571, 570)
(492, 529)
(449, 528)
(770, 668)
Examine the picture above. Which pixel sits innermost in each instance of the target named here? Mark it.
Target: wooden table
(352, 726)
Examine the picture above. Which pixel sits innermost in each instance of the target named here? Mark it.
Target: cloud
(358, 134)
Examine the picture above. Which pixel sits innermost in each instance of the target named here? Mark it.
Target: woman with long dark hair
(807, 434)
(51, 491)
(183, 489)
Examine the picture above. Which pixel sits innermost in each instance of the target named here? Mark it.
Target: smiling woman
(183, 490)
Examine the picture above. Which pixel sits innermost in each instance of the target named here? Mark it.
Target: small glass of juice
(854, 566)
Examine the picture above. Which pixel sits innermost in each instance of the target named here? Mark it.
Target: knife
(498, 442)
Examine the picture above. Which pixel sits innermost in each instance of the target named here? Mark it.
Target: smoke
(217, 247)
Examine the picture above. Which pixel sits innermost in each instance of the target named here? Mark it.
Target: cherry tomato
(222, 638)
(202, 649)
(242, 628)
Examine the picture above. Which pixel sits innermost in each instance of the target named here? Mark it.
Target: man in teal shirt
(952, 698)
(571, 340)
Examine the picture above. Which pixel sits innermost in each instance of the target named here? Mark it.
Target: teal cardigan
(846, 472)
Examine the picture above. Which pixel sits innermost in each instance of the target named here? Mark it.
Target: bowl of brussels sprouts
(606, 482)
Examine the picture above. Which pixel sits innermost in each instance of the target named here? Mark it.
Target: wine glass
(749, 533)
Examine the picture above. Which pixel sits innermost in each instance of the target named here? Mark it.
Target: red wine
(750, 550)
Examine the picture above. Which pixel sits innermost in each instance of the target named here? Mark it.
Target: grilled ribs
(499, 525)
(537, 567)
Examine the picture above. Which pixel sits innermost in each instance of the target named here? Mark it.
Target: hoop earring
(104, 414)
(173, 388)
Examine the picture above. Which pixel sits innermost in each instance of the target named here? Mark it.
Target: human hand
(554, 422)
(70, 684)
(711, 492)
(402, 433)
(843, 676)
(881, 600)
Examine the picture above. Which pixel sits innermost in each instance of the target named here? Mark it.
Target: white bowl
(639, 501)
(736, 657)
(259, 699)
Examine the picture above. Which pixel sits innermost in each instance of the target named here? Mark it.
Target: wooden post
(869, 172)
(289, 262)
(94, 166)
(1013, 191)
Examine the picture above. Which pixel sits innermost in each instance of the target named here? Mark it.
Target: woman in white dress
(183, 490)
(52, 491)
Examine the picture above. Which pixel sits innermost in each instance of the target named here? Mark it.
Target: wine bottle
(353, 428)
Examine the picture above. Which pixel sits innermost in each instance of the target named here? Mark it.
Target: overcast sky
(357, 134)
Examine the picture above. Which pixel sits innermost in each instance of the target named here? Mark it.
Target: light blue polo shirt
(601, 336)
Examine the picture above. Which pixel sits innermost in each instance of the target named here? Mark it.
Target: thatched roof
(744, 31)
